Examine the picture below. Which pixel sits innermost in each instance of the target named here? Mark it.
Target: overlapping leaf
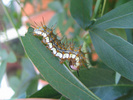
(81, 11)
(115, 52)
(120, 17)
(112, 92)
(46, 92)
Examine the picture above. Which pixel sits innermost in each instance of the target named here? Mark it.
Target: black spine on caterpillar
(75, 57)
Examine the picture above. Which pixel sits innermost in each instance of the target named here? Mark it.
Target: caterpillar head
(78, 61)
(73, 65)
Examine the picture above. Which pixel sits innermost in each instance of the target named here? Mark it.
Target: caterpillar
(61, 50)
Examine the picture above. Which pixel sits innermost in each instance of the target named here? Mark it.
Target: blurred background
(18, 76)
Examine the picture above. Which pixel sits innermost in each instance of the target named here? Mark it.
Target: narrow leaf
(128, 96)
(46, 92)
(118, 32)
(28, 67)
(96, 77)
(81, 11)
(129, 33)
(56, 6)
(101, 82)
(2, 69)
(14, 82)
(3, 55)
(63, 98)
(11, 57)
(114, 51)
(32, 88)
(112, 92)
(120, 17)
(99, 77)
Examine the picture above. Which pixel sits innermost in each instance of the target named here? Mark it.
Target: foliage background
(109, 24)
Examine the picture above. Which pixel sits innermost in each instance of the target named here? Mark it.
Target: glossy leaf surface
(120, 17)
(114, 51)
(81, 11)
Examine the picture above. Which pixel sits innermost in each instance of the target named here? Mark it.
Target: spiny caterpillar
(61, 50)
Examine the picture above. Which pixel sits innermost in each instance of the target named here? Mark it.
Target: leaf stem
(86, 55)
(103, 8)
(96, 8)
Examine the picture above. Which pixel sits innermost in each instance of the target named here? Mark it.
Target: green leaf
(32, 88)
(120, 2)
(28, 67)
(112, 92)
(118, 32)
(102, 82)
(69, 23)
(128, 96)
(115, 52)
(65, 2)
(3, 55)
(63, 98)
(53, 20)
(93, 77)
(77, 30)
(81, 11)
(46, 92)
(99, 77)
(56, 74)
(61, 18)
(11, 57)
(27, 78)
(19, 85)
(117, 78)
(2, 69)
(120, 17)
(129, 33)
(56, 6)
(14, 82)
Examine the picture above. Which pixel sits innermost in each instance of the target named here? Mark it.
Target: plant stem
(103, 8)
(86, 55)
(96, 8)
(8, 16)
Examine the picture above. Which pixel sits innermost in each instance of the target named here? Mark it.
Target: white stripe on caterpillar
(75, 57)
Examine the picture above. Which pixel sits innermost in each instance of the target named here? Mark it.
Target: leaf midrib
(111, 20)
(112, 47)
